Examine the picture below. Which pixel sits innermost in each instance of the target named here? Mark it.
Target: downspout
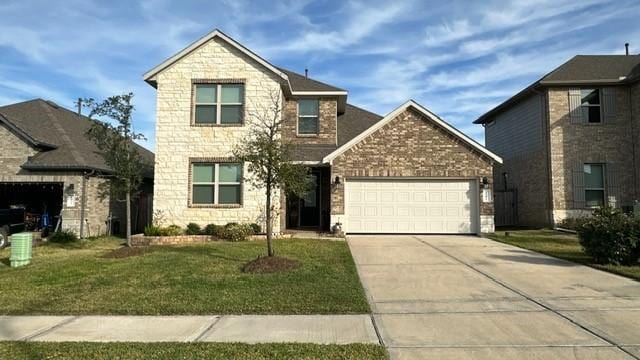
(546, 128)
(82, 203)
(83, 200)
(633, 143)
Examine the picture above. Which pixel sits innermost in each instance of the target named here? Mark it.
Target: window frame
(317, 132)
(603, 188)
(216, 183)
(218, 103)
(599, 105)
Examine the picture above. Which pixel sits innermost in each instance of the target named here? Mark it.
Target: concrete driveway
(465, 297)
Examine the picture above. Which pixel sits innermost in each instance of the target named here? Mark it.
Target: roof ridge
(63, 134)
(308, 78)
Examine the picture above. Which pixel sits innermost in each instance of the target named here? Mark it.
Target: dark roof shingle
(302, 83)
(579, 70)
(351, 123)
(50, 124)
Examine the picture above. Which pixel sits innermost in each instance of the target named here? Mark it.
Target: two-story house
(407, 172)
(569, 142)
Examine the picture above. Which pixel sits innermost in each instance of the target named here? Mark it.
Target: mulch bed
(125, 252)
(270, 264)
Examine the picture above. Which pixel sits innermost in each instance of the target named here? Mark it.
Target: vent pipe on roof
(626, 48)
(306, 73)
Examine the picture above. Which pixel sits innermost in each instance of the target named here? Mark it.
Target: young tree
(115, 142)
(269, 159)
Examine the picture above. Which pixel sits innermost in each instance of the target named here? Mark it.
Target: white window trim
(599, 105)
(603, 188)
(298, 116)
(219, 104)
(216, 183)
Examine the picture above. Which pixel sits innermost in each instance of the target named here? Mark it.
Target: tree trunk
(269, 222)
(128, 222)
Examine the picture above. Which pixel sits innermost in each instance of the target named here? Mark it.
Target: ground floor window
(594, 190)
(216, 183)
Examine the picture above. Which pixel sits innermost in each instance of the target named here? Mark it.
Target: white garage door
(411, 206)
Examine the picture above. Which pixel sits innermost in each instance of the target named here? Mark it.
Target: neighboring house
(48, 163)
(569, 141)
(407, 172)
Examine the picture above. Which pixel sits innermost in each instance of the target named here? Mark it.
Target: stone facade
(328, 123)
(177, 140)
(411, 145)
(15, 153)
(610, 143)
(141, 240)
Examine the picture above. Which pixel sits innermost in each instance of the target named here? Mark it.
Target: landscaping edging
(142, 240)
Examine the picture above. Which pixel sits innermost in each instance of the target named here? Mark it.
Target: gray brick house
(406, 172)
(569, 142)
(47, 163)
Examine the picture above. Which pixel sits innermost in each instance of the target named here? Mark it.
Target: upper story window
(308, 116)
(216, 183)
(590, 105)
(594, 193)
(218, 104)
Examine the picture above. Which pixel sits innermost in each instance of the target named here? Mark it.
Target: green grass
(560, 245)
(194, 279)
(77, 350)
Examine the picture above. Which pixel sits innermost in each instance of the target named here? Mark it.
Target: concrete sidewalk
(318, 329)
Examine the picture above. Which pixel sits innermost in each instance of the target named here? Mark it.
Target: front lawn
(560, 245)
(193, 279)
(78, 350)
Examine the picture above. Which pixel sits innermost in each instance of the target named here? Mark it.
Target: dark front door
(305, 211)
(310, 203)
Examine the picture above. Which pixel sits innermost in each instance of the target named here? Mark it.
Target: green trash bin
(21, 249)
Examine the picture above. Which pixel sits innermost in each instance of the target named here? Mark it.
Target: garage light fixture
(336, 181)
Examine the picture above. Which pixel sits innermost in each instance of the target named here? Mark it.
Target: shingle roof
(61, 135)
(580, 70)
(351, 123)
(301, 83)
(595, 68)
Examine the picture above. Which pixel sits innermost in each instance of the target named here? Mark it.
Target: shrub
(256, 228)
(571, 223)
(171, 230)
(610, 237)
(63, 237)
(213, 230)
(236, 232)
(193, 229)
(152, 230)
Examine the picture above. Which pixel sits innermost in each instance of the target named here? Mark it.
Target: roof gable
(63, 133)
(295, 83)
(422, 110)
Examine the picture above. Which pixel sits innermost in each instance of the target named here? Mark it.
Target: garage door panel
(411, 206)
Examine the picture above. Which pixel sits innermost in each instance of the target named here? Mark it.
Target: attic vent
(52, 104)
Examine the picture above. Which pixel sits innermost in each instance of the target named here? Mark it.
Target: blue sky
(458, 58)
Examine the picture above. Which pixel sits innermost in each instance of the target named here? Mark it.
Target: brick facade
(571, 144)
(411, 146)
(328, 123)
(15, 153)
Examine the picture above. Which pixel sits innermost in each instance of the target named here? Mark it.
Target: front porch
(311, 213)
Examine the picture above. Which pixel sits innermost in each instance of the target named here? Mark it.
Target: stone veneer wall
(573, 143)
(15, 153)
(411, 145)
(177, 140)
(328, 122)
